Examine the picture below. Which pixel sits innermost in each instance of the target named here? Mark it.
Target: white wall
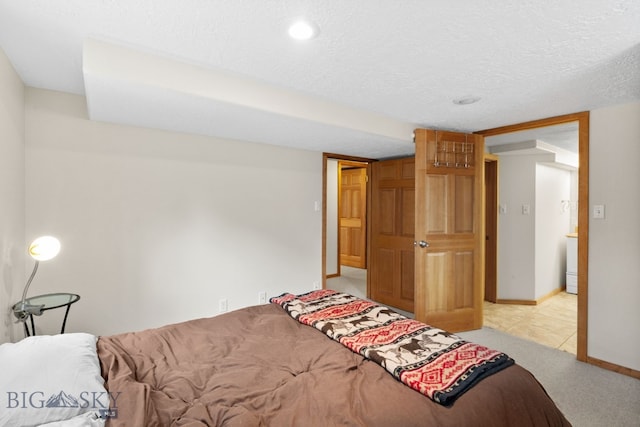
(157, 227)
(552, 219)
(614, 242)
(516, 232)
(332, 217)
(12, 199)
(574, 201)
(531, 246)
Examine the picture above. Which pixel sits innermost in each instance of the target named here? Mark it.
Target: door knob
(422, 244)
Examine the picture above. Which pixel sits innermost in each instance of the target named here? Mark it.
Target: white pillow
(50, 378)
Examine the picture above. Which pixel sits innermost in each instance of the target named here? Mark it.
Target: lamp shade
(44, 248)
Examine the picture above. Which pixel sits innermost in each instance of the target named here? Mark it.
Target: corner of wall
(12, 196)
(614, 271)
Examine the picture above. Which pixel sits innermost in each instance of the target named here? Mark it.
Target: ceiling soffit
(126, 86)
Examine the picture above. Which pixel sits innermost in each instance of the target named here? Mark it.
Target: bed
(262, 366)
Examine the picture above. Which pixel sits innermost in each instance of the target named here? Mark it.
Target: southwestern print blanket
(432, 361)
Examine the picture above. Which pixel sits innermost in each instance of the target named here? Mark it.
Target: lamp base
(22, 311)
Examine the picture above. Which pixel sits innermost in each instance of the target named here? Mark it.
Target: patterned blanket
(432, 361)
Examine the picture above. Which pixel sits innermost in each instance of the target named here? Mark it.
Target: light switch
(526, 209)
(502, 209)
(598, 211)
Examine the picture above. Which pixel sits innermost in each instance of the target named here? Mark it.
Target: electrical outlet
(316, 285)
(262, 298)
(223, 306)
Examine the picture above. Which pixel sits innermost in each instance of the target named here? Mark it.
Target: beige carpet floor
(541, 339)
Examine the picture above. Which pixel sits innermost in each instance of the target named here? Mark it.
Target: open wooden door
(392, 222)
(449, 258)
(353, 214)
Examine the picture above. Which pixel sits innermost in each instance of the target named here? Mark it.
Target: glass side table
(48, 302)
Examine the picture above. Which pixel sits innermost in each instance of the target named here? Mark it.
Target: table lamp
(42, 249)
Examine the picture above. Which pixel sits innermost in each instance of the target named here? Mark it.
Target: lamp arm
(26, 288)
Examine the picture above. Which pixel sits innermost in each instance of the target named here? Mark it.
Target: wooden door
(392, 232)
(353, 209)
(449, 223)
(491, 228)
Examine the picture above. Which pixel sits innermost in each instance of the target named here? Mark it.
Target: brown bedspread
(259, 367)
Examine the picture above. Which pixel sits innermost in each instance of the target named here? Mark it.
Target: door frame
(582, 118)
(491, 192)
(339, 157)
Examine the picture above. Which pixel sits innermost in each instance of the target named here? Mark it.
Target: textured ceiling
(393, 65)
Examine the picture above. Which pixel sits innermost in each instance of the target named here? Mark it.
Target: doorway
(582, 120)
(345, 208)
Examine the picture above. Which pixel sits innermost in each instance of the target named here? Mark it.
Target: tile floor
(552, 323)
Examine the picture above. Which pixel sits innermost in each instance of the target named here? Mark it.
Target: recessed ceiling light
(303, 30)
(466, 100)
